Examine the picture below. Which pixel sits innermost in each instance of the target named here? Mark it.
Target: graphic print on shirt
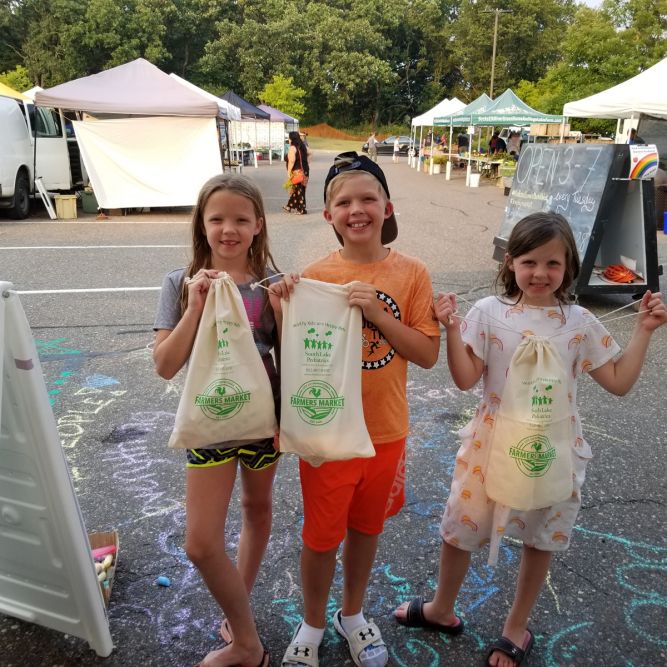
(376, 351)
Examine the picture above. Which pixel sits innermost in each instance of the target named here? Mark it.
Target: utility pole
(497, 12)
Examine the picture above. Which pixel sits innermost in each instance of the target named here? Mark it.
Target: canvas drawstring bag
(227, 395)
(530, 464)
(322, 416)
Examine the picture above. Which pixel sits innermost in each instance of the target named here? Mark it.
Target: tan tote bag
(322, 417)
(530, 459)
(227, 396)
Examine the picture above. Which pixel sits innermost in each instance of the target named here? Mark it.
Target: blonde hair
(336, 183)
(259, 255)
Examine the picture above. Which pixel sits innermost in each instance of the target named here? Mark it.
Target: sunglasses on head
(346, 161)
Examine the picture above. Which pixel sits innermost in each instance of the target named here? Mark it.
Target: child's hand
(656, 312)
(365, 296)
(282, 290)
(198, 287)
(446, 309)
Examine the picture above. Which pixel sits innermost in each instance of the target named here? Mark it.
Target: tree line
(354, 62)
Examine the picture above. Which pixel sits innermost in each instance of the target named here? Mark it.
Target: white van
(18, 154)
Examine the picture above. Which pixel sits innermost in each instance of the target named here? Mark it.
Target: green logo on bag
(316, 402)
(533, 455)
(222, 399)
(313, 341)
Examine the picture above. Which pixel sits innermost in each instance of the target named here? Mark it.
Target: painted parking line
(91, 290)
(86, 247)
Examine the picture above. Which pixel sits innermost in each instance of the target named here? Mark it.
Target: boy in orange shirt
(349, 500)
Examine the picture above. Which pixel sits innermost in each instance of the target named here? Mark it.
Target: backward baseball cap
(351, 161)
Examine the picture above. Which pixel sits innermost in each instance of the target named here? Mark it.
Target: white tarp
(645, 93)
(260, 134)
(130, 164)
(444, 108)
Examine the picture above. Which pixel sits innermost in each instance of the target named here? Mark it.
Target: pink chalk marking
(103, 551)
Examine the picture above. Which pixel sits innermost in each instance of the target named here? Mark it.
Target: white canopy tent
(226, 109)
(154, 141)
(445, 107)
(279, 125)
(645, 93)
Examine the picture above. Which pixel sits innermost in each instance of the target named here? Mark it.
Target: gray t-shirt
(260, 315)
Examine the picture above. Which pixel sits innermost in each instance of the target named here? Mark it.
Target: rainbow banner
(643, 162)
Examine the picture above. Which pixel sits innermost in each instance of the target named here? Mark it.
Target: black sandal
(511, 650)
(415, 619)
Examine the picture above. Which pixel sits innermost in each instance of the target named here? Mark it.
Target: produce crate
(105, 539)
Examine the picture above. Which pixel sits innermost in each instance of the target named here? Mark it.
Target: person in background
(372, 147)
(514, 144)
(297, 163)
(496, 144)
(462, 143)
(634, 138)
(397, 149)
(304, 138)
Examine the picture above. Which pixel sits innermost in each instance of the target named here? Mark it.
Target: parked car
(386, 146)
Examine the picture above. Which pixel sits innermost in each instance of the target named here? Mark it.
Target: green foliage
(282, 94)
(366, 64)
(17, 78)
(599, 50)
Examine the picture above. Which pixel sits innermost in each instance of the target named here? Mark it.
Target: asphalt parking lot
(605, 602)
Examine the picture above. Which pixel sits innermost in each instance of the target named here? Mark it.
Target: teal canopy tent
(508, 109)
(462, 118)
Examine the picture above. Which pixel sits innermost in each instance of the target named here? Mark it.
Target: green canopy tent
(462, 118)
(508, 109)
(505, 110)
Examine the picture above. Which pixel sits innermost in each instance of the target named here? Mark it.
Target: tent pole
(421, 132)
(254, 152)
(451, 136)
(229, 148)
(430, 167)
(413, 159)
(270, 151)
(222, 152)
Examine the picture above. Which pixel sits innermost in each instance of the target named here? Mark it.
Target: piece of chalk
(103, 551)
(163, 581)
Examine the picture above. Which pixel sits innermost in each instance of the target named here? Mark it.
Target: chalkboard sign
(565, 178)
(611, 216)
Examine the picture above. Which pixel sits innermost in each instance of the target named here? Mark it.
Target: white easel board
(47, 574)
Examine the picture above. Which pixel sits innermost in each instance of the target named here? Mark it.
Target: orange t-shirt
(404, 286)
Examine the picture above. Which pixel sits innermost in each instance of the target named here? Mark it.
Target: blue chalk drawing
(566, 651)
(97, 380)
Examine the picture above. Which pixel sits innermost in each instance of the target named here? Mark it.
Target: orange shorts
(358, 494)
